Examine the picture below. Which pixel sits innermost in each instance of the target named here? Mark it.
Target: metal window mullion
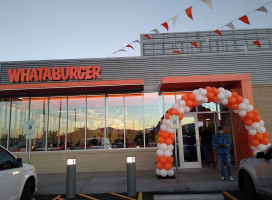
(143, 117)
(47, 124)
(9, 122)
(105, 119)
(66, 134)
(163, 105)
(29, 102)
(86, 121)
(124, 118)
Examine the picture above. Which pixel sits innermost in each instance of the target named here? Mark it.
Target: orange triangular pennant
(194, 44)
(165, 25)
(189, 12)
(218, 32)
(176, 51)
(147, 36)
(257, 43)
(244, 19)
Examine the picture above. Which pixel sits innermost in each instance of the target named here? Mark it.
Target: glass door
(189, 146)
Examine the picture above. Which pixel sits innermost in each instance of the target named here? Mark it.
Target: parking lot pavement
(226, 195)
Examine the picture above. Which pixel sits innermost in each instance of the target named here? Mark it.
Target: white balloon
(261, 147)
(249, 108)
(203, 92)
(252, 132)
(221, 89)
(158, 172)
(221, 96)
(178, 100)
(169, 130)
(164, 146)
(168, 153)
(228, 93)
(163, 172)
(242, 106)
(175, 106)
(163, 127)
(261, 122)
(187, 109)
(255, 125)
(170, 147)
(199, 98)
(246, 101)
(242, 113)
(255, 152)
(181, 110)
(159, 152)
(195, 92)
(253, 148)
(170, 172)
(224, 101)
(205, 99)
(182, 103)
(159, 145)
(248, 127)
(166, 122)
(261, 129)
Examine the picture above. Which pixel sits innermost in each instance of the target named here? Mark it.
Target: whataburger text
(54, 73)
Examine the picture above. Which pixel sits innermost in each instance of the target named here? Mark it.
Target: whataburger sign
(54, 73)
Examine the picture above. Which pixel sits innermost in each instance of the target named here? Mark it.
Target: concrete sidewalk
(190, 180)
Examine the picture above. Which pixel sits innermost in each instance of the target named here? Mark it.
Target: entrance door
(188, 139)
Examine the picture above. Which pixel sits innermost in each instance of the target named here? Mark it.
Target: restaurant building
(101, 110)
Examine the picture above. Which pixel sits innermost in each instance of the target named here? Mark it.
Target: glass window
(95, 121)
(221, 108)
(153, 114)
(19, 116)
(76, 122)
(57, 123)
(134, 121)
(4, 120)
(115, 122)
(38, 112)
(169, 99)
(207, 107)
(7, 161)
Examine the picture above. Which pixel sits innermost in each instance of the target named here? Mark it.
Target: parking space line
(88, 197)
(229, 195)
(125, 197)
(58, 198)
(140, 196)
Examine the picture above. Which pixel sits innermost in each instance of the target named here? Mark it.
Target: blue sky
(67, 29)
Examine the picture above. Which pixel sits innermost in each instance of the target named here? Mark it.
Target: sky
(71, 29)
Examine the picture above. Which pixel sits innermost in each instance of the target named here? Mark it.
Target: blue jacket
(224, 140)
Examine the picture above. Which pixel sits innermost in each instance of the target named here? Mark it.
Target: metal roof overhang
(72, 87)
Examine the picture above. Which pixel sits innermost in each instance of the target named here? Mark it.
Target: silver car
(255, 175)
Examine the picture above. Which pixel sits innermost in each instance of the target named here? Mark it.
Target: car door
(10, 177)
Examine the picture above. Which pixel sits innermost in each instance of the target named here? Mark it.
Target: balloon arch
(259, 137)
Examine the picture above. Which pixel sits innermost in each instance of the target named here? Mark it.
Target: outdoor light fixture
(131, 159)
(71, 161)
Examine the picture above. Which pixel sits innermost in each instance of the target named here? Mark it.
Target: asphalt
(202, 180)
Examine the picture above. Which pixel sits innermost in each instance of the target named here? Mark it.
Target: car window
(7, 161)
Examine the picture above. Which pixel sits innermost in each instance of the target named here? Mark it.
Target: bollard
(71, 178)
(131, 177)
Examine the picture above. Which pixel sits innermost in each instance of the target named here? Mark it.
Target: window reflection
(57, 123)
(38, 112)
(153, 114)
(95, 121)
(169, 99)
(76, 123)
(115, 123)
(19, 116)
(134, 121)
(4, 120)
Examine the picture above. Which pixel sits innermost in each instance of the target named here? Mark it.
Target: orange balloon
(168, 141)
(215, 91)
(243, 118)
(163, 159)
(159, 165)
(257, 118)
(189, 103)
(158, 158)
(161, 140)
(250, 115)
(184, 97)
(167, 116)
(255, 111)
(214, 99)
(175, 112)
(266, 135)
(208, 88)
(234, 106)
(239, 99)
(180, 116)
(232, 100)
(191, 96)
(248, 122)
(165, 134)
(234, 94)
(168, 165)
(170, 159)
(172, 136)
(255, 142)
(195, 104)
(209, 95)
(228, 105)
(258, 136)
(265, 141)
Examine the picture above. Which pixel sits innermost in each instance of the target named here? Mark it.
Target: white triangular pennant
(122, 50)
(208, 2)
(174, 20)
(245, 48)
(262, 9)
(156, 31)
(230, 25)
(136, 41)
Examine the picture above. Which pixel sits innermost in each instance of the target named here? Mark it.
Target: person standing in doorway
(222, 144)
(206, 144)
